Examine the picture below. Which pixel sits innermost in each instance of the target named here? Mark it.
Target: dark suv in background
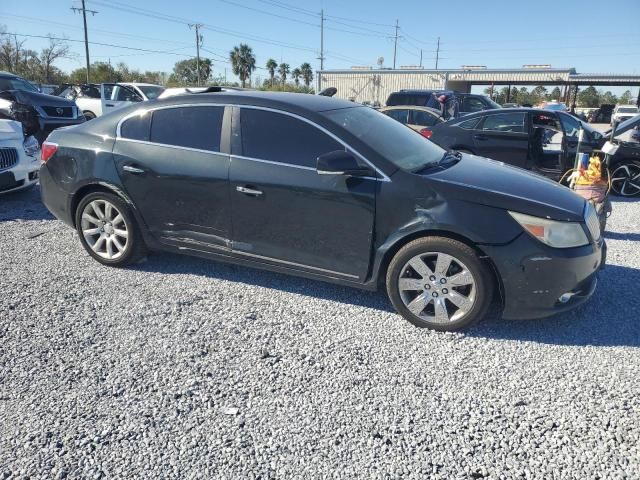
(38, 113)
(455, 104)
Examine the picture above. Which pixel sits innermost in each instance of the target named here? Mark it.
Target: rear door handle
(248, 191)
(479, 136)
(131, 169)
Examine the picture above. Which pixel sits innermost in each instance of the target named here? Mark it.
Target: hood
(495, 184)
(10, 130)
(40, 99)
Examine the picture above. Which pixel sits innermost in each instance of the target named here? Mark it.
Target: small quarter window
(136, 127)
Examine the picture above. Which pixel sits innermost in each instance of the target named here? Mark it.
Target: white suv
(19, 162)
(622, 113)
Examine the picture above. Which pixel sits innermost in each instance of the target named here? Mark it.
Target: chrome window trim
(190, 149)
(383, 177)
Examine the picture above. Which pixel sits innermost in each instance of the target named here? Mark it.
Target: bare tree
(58, 48)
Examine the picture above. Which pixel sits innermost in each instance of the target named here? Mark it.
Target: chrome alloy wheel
(104, 229)
(625, 179)
(437, 287)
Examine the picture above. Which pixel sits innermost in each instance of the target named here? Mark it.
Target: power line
(197, 27)
(86, 37)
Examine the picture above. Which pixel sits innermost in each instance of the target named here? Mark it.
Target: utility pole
(395, 46)
(420, 58)
(86, 36)
(197, 26)
(437, 52)
(321, 58)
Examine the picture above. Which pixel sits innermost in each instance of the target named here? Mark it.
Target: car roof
(276, 100)
(8, 74)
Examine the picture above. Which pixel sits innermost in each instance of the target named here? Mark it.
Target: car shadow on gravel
(610, 318)
(632, 236)
(168, 263)
(23, 205)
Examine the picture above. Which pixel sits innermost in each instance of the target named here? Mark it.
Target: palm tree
(307, 73)
(296, 73)
(283, 70)
(243, 62)
(271, 67)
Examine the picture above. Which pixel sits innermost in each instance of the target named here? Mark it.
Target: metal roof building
(375, 85)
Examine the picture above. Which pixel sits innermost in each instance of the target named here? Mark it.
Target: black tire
(621, 176)
(134, 248)
(481, 291)
(89, 115)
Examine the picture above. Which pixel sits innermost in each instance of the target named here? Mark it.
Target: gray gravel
(185, 368)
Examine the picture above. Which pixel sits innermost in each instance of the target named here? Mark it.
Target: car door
(571, 127)
(174, 164)
(114, 96)
(283, 211)
(503, 137)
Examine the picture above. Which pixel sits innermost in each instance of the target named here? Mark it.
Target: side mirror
(340, 162)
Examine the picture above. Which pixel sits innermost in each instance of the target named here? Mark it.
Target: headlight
(551, 232)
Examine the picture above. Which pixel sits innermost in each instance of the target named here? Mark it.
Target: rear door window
(505, 122)
(422, 118)
(469, 124)
(281, 138)
(399, 115)
(192, 127)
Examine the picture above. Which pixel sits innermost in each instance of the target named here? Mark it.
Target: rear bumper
(535, 276)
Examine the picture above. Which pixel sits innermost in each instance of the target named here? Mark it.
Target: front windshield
(397, 143)
(623, 130)
(151, 92)
(16, 84)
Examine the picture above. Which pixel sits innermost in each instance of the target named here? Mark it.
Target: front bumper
(23, 175)
(535, 276)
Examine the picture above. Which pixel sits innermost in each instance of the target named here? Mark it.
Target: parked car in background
(418, 118)
(624, 164)
(601, 114)
(622, 113)
(554, 105)
(540, 140)
(19, 160)
(451, 104)
(96, 99)
(38, 113)
(325, 189)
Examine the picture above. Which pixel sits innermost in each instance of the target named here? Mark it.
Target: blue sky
(592, 36)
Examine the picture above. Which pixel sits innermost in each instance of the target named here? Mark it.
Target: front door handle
(109, 105)
(248, 191)
(479, 136)
(131, 169)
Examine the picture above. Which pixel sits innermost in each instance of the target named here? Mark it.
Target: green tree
(307, 74)
(243, 62)
(555, 94)
(608, 98)
(295, 74)
(538, 95)
(271, 68)
(589, 97)
(283, 70)
(626, 98)
(185, 72)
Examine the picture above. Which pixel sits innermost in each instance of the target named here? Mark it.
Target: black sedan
(324, 189)
(540, 140)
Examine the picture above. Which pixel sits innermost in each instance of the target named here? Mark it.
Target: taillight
(425, 132)
(47, 150)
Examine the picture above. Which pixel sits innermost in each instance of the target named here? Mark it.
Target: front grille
(593, 223)
(8, 158)
(60, 112)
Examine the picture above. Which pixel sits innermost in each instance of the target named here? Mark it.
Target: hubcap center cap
(108, 228)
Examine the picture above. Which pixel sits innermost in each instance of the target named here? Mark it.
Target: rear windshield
(407, 99)
(628, 110)
(397, 143)
(152, 92)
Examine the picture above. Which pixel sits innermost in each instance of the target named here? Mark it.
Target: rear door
(284, 212)
(174, 165)
(503, 137)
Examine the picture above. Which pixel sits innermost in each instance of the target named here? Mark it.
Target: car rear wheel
(625, 178)
(89, 115)
(108, 231)
(439, 283)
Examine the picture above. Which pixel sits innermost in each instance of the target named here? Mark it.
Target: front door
(173, 167)
(284, 212)
(503, 137)
(114, 96)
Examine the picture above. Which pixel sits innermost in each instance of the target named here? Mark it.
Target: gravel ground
(185, 368)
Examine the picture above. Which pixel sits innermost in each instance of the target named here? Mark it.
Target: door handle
(109, 105)
(131, 169)
(248, 191)
(480, 136)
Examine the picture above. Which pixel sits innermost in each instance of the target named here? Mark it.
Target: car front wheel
(439, 283)
(625, 178)
(108, 230)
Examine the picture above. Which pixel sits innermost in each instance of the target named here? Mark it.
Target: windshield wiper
(449, 158)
